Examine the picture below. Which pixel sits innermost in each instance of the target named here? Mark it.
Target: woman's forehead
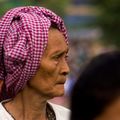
(56, 39)
(56, 42)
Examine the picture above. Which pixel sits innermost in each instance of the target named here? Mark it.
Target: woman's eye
(57, 57)
(66, 57)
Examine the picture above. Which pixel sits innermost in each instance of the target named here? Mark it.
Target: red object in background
(1, 83)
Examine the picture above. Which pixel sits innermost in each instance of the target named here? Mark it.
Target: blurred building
(81, 15)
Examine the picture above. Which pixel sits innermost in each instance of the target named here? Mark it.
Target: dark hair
(97, 86)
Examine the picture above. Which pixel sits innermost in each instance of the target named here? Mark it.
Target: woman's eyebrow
(60, 53)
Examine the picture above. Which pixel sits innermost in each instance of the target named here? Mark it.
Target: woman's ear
(1, 83)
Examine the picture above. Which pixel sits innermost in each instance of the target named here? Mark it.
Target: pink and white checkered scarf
(23, 39)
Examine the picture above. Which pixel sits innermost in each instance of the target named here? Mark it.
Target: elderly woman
(33, 65)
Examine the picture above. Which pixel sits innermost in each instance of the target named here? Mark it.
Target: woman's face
(51, 76)
(112, 112)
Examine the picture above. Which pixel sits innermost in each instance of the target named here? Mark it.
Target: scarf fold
(23, 39)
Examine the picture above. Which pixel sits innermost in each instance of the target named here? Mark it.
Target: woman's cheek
(55, 62)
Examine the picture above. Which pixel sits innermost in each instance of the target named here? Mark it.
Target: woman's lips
(62, 82)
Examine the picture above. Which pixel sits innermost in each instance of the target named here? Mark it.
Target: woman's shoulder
(4, 115)
(61, 112)
(59, 107)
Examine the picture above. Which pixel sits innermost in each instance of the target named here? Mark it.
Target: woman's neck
(27, 105)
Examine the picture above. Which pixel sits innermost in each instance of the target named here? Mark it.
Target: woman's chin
(59, 93)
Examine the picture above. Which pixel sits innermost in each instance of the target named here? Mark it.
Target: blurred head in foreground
(96, 94)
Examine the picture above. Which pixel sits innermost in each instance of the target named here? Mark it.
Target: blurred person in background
(96, 94)
(33, 65)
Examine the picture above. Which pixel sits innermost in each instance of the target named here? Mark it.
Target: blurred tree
(58, 6)
(109, 20)
(8, 4)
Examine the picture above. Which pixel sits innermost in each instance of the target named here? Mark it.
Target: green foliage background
(58, 6)
(109, 20)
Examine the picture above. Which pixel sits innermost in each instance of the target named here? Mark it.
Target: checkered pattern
(23, 39)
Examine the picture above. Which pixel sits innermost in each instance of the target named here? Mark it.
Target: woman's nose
(65, 68)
